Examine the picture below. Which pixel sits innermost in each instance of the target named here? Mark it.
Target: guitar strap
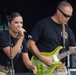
(64, 34)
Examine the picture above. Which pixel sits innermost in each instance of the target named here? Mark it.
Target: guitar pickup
(55, 58)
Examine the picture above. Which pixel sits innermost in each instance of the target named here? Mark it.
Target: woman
(12, 42)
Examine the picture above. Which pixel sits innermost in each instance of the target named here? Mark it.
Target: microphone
(26, 34)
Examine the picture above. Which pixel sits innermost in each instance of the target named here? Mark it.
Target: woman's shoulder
(4, 32)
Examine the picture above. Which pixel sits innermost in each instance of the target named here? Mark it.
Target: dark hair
(13, 15)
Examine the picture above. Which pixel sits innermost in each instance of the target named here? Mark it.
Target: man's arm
(33, 48)
(72, 47)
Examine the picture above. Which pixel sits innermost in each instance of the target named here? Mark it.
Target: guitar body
(43, 69)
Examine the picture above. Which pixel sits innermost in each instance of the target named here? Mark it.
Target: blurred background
(32, 11)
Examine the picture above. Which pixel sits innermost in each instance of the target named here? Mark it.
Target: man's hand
(47, 60)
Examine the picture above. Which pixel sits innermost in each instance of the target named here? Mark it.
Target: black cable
(11, 69)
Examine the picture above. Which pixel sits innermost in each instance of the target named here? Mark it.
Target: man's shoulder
(45, 19)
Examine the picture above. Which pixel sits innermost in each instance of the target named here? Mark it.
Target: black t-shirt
(5, 40)
(48, 35)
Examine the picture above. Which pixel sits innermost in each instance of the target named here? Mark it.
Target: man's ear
(57, 12)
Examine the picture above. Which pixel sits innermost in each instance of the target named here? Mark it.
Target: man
(50, 33)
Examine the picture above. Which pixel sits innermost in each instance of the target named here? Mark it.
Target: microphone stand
(11, 69)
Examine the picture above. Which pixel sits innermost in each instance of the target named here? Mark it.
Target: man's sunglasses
(65, 15)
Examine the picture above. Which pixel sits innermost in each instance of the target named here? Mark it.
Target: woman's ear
(9, 24)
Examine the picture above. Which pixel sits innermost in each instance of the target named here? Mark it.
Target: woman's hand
(33, 68)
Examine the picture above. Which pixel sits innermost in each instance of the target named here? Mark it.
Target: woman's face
(16, 23)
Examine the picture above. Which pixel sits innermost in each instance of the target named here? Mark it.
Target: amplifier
(71, 71)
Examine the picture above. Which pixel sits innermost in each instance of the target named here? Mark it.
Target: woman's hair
(13, 15)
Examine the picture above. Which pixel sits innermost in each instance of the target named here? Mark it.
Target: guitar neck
(64, 54)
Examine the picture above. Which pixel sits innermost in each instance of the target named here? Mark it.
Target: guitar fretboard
(64, 54)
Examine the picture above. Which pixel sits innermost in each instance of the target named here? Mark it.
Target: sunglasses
(65, 15)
